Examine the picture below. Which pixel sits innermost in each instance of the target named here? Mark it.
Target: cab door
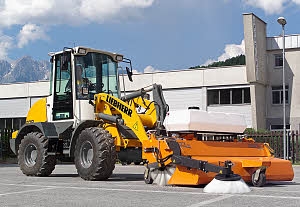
(62, 108)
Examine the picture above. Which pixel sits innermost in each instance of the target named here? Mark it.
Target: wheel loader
(87, 118)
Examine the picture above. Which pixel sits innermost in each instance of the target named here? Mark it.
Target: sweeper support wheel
(258, 179)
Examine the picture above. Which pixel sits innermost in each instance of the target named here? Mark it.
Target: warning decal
(135, 126)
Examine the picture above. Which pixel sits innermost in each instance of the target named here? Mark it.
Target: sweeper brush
(227, 186)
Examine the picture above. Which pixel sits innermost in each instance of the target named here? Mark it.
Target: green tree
(238, 60)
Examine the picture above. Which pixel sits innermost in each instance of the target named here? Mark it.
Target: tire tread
(46, 167)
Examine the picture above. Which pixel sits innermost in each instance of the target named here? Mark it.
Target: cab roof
(81, 50)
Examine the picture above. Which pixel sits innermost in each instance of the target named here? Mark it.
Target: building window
(278, 127)
(225, 96)
(237, 96)
(213, 97)
(278, 60)
(228, 96)
(246, 95)
(2, 124)
(277, 94)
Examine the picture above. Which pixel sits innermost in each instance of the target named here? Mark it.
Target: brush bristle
(162, 177)
(234, 187)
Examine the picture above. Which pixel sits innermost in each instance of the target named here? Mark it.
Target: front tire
(33, 158)
(95, 154)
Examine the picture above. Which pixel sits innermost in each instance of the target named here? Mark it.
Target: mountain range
(27, 69)
(24, 69)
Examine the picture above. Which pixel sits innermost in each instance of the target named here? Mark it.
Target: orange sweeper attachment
(196, 152)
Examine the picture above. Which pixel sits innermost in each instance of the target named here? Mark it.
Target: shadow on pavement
(64, 175)
(126, 177)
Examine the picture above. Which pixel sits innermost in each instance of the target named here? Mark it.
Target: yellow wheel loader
(86, 118)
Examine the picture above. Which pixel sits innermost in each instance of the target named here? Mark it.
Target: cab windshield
(95, 73)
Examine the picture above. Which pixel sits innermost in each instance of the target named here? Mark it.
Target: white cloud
(269, 6)
(73, 12)
(135, 72)
(150, 69)
(108, 9)
(231, 50)
(30, 32)
(34, 15)
(296, 1)
(6, 43)
(209, 61)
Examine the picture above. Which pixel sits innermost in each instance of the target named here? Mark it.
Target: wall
(292, 74)
(256, 66)
(16, 99)
(191, 78)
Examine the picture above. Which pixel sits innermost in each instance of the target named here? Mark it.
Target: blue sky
(154, 34)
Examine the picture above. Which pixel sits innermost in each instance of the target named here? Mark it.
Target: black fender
(50, 130)
(81, 126)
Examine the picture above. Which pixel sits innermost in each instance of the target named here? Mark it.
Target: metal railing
(275, 140)
(5, 135)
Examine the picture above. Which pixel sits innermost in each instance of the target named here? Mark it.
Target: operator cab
(77, 75)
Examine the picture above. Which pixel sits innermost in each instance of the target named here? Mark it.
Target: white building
(254, 90)
(16, 99)
(223, 89)
(264, 73)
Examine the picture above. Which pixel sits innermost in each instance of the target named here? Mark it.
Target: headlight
(119, 58)
(82, 51)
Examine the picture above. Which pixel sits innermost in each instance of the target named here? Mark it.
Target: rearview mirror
(129, 74)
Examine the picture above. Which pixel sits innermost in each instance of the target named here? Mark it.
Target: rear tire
(95, 154)
(33, 158)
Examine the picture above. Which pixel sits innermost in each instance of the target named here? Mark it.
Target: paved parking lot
(127, 188)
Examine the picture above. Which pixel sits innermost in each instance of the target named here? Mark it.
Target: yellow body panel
(38, 112)
(149, 118)
(14, 134)
(110, 105)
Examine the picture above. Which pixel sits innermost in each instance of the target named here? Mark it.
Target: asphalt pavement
(127, 188)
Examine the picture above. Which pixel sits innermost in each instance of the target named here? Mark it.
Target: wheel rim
(86, 154)
(30, 155)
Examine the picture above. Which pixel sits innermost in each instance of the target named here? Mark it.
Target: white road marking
(107, 189)
(149, 191)
(280, 191)
(213, 200)
(25, 191)
(269, 196)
